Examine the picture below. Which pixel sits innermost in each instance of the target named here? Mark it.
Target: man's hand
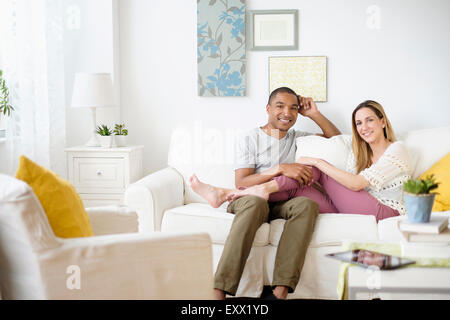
(297, 171)
(308, 107)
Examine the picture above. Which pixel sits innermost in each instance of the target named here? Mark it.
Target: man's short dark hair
(281, 90)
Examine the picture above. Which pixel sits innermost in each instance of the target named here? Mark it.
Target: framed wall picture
(307, 76)
(272, 30)
(221, 55)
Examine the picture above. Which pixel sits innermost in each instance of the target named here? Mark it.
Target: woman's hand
(308, 161)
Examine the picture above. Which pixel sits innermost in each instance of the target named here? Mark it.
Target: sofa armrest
(151, 196)
(112, 220)
(129, 266)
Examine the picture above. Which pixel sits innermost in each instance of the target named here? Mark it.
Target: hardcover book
(436, 225)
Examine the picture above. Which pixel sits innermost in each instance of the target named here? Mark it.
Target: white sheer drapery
(32, 57)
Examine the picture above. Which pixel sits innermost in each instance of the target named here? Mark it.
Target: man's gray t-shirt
(256, 149)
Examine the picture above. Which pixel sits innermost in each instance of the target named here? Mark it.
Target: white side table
(101, 175)
(402, 283)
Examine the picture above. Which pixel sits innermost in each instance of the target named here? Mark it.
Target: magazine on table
(367, 258)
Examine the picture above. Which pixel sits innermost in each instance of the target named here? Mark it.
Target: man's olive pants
(251, 212)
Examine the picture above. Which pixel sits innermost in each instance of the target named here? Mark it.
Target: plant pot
(121, 141)
(105, 141)
(418, 206)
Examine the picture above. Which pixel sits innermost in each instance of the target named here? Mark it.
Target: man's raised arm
(308, 108)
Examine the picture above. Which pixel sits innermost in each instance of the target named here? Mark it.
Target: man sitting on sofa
(262, 154)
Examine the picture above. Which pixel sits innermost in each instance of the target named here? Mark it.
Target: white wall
(90, 45)
(404, 65)
(152, 56)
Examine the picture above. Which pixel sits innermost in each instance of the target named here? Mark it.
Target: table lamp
(92, 90)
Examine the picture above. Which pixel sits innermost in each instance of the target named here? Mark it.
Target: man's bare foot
(215, 196)
(280, 292)
(219, 294)
(258, 190)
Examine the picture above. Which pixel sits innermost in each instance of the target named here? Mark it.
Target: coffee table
(403, 283)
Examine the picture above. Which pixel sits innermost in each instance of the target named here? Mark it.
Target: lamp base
(93, 142)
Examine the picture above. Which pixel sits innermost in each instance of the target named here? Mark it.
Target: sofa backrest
(335, 150)
(426, 147)
(24, 233)
(209, 153)
(206, 152)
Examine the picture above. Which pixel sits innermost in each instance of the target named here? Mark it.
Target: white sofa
(35, 264)
(164, 201)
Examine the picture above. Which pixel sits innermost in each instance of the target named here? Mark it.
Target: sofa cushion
(207, 152)
(199, 217)
(330, 229)
(24, 232)
(61, 202)
(335, 150)
(333, 228)
(23, 222)
(388, 230)
(426, 147)
(441, 170)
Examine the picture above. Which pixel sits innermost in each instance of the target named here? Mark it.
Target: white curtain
(32, 58)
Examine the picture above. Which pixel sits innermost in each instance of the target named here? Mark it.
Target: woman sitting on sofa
(381, 166)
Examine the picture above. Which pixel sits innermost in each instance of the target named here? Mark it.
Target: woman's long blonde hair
(361, 149)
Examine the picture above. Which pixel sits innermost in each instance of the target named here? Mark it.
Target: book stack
(426, 240)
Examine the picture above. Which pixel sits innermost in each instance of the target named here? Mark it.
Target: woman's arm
(247, 177)
(349, 180)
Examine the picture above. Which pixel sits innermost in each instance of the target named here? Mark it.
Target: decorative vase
(121, 140)
(105, 141)
(418, 206)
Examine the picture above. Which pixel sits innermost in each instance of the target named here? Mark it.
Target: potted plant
(120, 135)
(5, 107)
(418, 199)
(105, 135)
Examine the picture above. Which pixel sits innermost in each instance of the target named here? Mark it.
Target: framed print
(272, 30)
(221, 55)
(307, 76)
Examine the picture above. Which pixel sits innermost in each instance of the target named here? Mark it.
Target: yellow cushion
(441, 171)
(61, 202)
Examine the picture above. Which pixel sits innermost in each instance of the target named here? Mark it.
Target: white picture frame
(273, 30)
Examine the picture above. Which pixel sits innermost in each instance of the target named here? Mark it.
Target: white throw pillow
(335, 150)
(425, 147)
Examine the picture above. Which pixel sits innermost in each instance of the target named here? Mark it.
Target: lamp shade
(93, 90)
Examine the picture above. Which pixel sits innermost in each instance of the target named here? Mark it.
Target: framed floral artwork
(305, 75)
(221, 58)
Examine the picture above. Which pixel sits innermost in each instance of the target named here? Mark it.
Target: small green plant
(5, 107)
(119, 130)
(103, 130)
(421, 186)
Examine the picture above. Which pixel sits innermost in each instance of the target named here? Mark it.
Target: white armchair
(151, 196)
(112, 220)
(35, 264)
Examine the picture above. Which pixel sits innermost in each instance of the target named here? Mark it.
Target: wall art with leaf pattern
(221, 56)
